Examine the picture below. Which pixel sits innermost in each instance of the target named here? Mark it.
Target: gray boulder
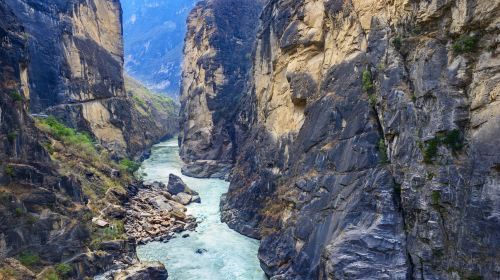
(176, 186)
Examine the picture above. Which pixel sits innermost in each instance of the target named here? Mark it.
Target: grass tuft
(79, 141)
(382, 151)
(436, 197)
(63, 269)
(29, 259)
(129, 165)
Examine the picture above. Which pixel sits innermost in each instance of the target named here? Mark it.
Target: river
(225, 254)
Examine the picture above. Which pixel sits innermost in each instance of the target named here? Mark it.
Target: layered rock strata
(371, 131)
(217, 55)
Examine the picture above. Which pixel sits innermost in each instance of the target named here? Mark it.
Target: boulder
(196, 199)
(100, 222)
(176, 185)
(114, 211)
(143, 271)
(182, 198)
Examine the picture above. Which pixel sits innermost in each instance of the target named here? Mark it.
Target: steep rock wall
(217, 55)
(75, 71)
(369, 141)
(28, 180)
(64, 58)
(76, 65)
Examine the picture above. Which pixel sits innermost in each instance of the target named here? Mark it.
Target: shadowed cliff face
(369, 138)
(76, 65)
(28, 180)
(75, 71)
(217, 53)
(64, 58)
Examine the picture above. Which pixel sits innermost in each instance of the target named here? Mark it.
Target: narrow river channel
(213, 251)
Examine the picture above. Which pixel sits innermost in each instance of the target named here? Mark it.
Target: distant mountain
(154, 34)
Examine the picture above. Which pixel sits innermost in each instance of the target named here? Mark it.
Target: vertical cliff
(370, 132)
(75, 71)
(59, 174)
(217, 51)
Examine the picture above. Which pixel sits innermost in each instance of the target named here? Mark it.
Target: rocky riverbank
(158, 211)
(153, 211)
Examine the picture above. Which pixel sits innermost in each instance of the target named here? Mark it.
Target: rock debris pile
(158, 211)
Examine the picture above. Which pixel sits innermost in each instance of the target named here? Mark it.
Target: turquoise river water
(228, 256)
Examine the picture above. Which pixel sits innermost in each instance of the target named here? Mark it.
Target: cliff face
(76, 65)
(217, 54)
(75, 71)
(64, 58)
(28, 180)
(370, 141)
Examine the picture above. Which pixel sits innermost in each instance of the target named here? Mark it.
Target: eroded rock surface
(64, 58)
(217, 50)
(370, 132)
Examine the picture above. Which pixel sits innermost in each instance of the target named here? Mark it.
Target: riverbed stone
(143, 271)
(182, 198)
(176, 185)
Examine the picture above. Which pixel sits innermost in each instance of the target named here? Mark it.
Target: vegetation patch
(115, 231)
(452, 139)
(29, 259)
(63, 269)
(19, 211)
(382, 151)
(397, 43)
(8, 273)
(431, 149)
(80, 141)
(465, 44)
(367, 80)
(435, 197)
(129, 165)
(49, 274)
(16, 96)
(9, 170)
(12, 136)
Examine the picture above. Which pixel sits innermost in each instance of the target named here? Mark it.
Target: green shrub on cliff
(63, 269)
(9, 170)
(397, 42)
(465, 44)
(29, 259)
(451, 139)
(382, 151)
(12, 136)
(129, 165)
(16, 96)
(367, 80)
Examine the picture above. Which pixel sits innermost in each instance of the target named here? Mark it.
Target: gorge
(358, 139)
